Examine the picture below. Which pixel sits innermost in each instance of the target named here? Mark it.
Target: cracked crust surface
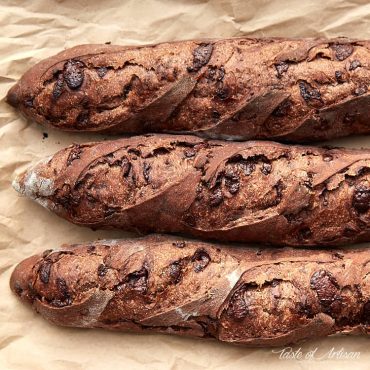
(251, 192)
(269, 297)
(289, 90)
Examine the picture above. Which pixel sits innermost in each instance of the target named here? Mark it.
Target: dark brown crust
(272, 297)
(251, 192)
(289, 90)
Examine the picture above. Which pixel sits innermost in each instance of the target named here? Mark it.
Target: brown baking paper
(32, 30)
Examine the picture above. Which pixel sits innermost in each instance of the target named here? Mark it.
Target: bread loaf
(269, 297)
(252, 191)
(292, 90)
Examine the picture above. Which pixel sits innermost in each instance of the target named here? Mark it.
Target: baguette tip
(16, 184)
(34, 185)
(21, 279)
(13, 96)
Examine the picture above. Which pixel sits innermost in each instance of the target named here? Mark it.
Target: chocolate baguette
(269, 297)
(234, 191)
(281, 89)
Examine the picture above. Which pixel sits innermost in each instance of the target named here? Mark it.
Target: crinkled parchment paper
(32, 30)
